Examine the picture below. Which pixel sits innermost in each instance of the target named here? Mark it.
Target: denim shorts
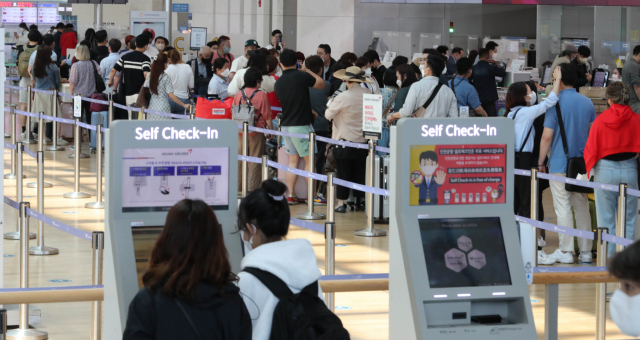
(297, 146)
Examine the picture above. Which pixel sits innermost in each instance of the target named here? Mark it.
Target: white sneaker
(23, 135)
(541, 242)
(561, 257)
(585, 257)
(545, 259)
(62, 142)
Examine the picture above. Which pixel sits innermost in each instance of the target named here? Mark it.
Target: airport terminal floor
(364, 314)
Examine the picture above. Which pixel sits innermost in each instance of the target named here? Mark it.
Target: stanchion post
(310, 214)
(76, 169)
(370, 231)
(41, 132)
(54, 134)
(15, 235)
(265, 167)
(621, 228)
(143, 115)
(192, 112)
(330, 238)
(27, 124)
(601, 288)
(97, 243)
(41, 249)
(14, 164)
(110, 117)
(23, 331)
(534, 212)
(98, 204)
(245, 152)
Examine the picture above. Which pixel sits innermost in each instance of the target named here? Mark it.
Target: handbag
(244, 113)
(100, 86)
(575, 165)
(421, 110)
(96, 107)
(522, 157)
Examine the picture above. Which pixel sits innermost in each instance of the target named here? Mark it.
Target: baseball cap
(251, 42)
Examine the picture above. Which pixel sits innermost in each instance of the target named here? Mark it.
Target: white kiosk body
(150, 166)
(456, 268)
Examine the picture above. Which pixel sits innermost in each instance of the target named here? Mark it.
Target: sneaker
(23, 135)
(541, 242)
(62, 142)
(292, 200)
(585, 257)
(545, 259)
(320, 201)
(561, 257)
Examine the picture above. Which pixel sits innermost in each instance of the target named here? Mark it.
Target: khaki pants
(563, 201)
(257, 145)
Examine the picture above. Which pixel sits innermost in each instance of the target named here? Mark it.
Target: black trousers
(86, 111)
(351, 165)
(321, 158)
(490, 108)
(522, 195)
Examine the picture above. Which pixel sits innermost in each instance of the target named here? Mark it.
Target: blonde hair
(82, 53)
(618, 92)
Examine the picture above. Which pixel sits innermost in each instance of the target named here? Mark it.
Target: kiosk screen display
(464, 252)
(458, 174)
(155, 179)
(144, 239)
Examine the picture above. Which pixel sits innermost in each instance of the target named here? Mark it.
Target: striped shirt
(133, 65)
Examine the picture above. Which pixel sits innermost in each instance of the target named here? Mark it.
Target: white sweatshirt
(293, 261)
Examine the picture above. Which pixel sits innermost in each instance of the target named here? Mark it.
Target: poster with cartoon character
(458, 174)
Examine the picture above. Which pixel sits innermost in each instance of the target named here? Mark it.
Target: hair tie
(277, 198)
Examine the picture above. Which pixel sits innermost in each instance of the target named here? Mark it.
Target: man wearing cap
(241, 62)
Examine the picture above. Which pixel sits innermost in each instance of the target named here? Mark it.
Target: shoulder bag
(100, 86)
(419, 113)
(523, 159)
(384, 115)
(191, 323)
(575, 165)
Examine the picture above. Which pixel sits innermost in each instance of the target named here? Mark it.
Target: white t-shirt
(238, 64)
(151, 52)
(181, 78)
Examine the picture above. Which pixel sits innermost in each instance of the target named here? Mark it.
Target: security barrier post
(77, 142)
(370, 231)
(601, 288)
(192, 112)
(14, 163)
(621, 228)
(143, 115)
(98, 204)
(330, 238)
(97, 243)
(54, 134)
(310, 214)
(27, 124)
(76, 169)
(15, 235)
(534, 212)
(245, 152)
(41, 249)
(110, 117)
(23, 332)
(265, 168)
(41, 131)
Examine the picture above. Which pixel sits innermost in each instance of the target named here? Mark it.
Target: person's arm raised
(319, 85)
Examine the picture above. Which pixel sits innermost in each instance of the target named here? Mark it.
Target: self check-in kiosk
(150, 166)
(456, 268)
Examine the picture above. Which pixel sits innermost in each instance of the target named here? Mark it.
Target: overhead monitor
(150, 166)
(158, 21)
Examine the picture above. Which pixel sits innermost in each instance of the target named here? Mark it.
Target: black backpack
(302, 316)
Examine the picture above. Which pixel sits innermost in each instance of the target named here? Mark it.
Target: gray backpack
(244, 112)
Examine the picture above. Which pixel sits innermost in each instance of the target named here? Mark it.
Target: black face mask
(206, 61)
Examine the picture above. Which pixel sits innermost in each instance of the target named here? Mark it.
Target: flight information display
(518, 2)
(17, 15)
(156, 179)
(48, 13)
(464, 252)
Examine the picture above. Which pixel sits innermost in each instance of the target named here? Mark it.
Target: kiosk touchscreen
(456, 268)
(150, 166)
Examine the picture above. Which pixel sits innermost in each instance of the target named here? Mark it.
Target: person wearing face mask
(616, 75)
(250, 46)
(405, 77)
(259, 61)
(224, 49)
(625, 302)
(377, 68)
(161, 43)
(484, 80)
(219, 84)
(611, 157)
(201, 69)
(456, 54)
(151, 51)
(580, 62)
(365, 64)
(324, 52)
(431, 180)
(423, 65)
(466, 94)
(161, 88)
(181, 79)
(21, 39)
(263, 221)
(492, 47)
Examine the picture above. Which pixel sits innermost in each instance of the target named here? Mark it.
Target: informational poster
(372, 116)
(198, 37)
(156, 179)
(458, 174)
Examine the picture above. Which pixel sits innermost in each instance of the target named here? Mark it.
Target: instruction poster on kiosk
(458, 174)
(372, 116)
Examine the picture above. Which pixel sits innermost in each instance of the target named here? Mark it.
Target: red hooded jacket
(614, 131)
(67, 40)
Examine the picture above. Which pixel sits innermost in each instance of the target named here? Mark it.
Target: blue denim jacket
(50, 81)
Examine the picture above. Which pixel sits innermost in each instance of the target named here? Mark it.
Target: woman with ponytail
(263, 220)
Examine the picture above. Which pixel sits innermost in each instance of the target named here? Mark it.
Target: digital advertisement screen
(457, 174)
(156, 179)
(464, 252)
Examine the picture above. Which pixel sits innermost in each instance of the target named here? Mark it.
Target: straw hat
(352, 73)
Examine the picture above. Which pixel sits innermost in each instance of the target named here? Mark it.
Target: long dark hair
(90, 36)
(406, 70)
(157, 69)
(189, 251)
(42, 62)
(267, 209)
(515, 96)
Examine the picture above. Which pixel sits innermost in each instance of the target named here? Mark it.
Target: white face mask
(225, 73)
(625, 311)
(615, 77)
(422, 68)
(367, 72)
(428, 170)
(248, 245)
(399, 82)
(445, 70)
(584, 60)
(532, 100)
(160, 47)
